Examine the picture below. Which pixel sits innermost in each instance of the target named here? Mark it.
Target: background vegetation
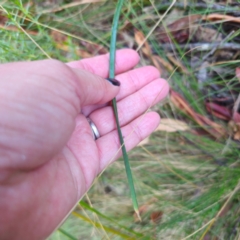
(187, 173)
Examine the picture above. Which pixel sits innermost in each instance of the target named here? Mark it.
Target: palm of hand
(53, 157)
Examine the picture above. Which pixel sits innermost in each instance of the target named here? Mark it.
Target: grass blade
(88, 207)
(114, 104)
(66, 234)
(101, 226)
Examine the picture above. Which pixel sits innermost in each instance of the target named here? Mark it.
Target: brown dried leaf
(236, 117)
(83, 54)
(218, 111)
(16, 29)
(156, 216)
(236, 135)
(234, 130)
(156, 60)
(238, 73)
(140, 38)
(179, 30)
(235, 113)
(219, 17)
(172, 125)
(94, 48)
(181, 104)
(177, 63)
(145, 208)
(214, 129)
(58, 37)
(204, 34)
(3, 19)
(61, 40)
(80, 52)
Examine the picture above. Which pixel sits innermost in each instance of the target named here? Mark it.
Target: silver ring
(95, 131)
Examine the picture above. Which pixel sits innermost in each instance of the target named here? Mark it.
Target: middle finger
(130, 107)
(131, 82)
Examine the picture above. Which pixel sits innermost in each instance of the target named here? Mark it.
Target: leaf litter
(210, 42)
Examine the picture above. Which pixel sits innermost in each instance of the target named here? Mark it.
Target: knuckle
(59, 67)
(55, 63)
(86, 66)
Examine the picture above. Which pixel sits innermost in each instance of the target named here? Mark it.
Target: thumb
(93, 89)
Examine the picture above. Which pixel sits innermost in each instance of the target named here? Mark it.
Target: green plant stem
(66, 234)
(86, 206)
(114, 104)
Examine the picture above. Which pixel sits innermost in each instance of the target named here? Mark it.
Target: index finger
(126, 59)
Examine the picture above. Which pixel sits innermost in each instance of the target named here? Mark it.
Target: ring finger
(130, 107)
(131, 82)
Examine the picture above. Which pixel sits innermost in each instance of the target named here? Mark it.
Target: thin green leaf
(101, 226)
(66, 234)
(86, 206)
(114, 104)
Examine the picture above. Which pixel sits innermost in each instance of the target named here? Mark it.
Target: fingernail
(114, 81)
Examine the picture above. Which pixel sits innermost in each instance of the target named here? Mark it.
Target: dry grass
(189, 178)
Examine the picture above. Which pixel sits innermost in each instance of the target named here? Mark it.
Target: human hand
(49, 158)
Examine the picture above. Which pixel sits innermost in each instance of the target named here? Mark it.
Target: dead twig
(69, 5)
(202, 46)
(201, 5)
(217, 47)
(16, 29)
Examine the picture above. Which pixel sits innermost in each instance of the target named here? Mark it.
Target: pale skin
(49, 158)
